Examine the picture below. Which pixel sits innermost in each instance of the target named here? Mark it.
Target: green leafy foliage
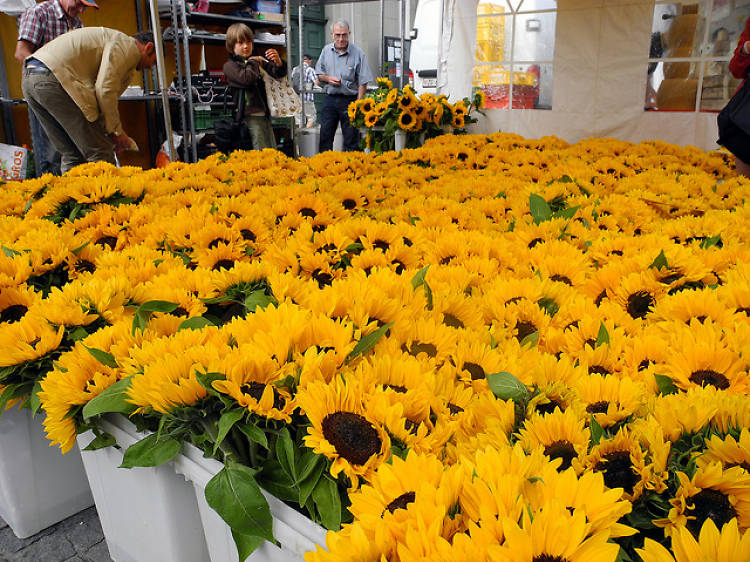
(112, 399)
(507, 387)
(151, 451)
(368, 342)
(420, 280)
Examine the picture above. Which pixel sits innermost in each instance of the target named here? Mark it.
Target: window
(514, 52)
(691, 45)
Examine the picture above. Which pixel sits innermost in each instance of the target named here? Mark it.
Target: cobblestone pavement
(78, 538)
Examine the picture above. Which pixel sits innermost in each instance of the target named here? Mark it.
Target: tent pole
(403, 47)
(161, 71)
(438, 89)
(381, 60)
(303, 120)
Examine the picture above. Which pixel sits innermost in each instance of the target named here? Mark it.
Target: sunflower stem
(227, 450)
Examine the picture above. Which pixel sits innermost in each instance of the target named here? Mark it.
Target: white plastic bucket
(147, 514)
(39, 486)
(295, 533)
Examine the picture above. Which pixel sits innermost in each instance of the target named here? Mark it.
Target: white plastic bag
(15, 7)
(13, 162)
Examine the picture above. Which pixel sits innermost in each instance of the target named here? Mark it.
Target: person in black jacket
(243, 75)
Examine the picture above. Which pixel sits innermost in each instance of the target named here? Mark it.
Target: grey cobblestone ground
(76, 539)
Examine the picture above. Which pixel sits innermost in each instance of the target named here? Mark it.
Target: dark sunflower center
(446, 260)
(453, 409)
(548, 558)
(474, 370)
(561, 450)
(84, 266)
(618, 471)
(13, 313)
(109, 241)
(216, 241)
(255, 389)
(639, 304)
(600, 297)
(396, 387)
(669, 279)
(524, 329)
(709, 377)
(179, 311)
(381, 245)
(549, 407)
(599, 370)
(349, 204)
(746, 310)
(561, 279)
(452, 321)
(308, 212)
(322, 278)
(247, 234)
(643, 365)
(225, 264)
(598, 407)
(354, 438)
(418, 347)
(535, 241)
(401, 502)
(710, 504)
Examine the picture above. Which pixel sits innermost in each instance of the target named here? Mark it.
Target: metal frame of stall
(402, 20)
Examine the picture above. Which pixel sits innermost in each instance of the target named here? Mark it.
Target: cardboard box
(268, 16)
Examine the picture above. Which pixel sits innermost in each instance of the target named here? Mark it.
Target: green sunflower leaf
(368, 342)
(285, 453)
(35, 402)
(235, 495)
(713, 241)
(539, 208)
(151, 451)
(254, 433)
(195, 323)
(158, 306)
(666, 384)
(103, 357)
(226, 422)
(101, 441)
(310, 470)
(420, 279)
(660, 262)
(246, 544)
(603, 335)
(568, 213)
(596, 431)
(327, 500)
(111, 399)
(206, 379)
(531, 340)
(10, 252)
(507, 387)
(258, 299)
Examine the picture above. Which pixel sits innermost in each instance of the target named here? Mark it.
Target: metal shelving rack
(181, 36)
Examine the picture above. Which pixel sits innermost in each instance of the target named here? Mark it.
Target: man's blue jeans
(46, 156)
(334, 112)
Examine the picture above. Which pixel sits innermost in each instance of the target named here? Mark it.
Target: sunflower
(28, 339)
(712, 493)
(408, 121)
(562, 435)
(554, 396)
(638, 293)
(458, 122)
(686, 412)
(555, 534)
(384, 82)
(342, 429)
(407, 100)
(728, 545)
(371, 119)
(610, 399)
(728, 451)
(250, 381)
(15, 302)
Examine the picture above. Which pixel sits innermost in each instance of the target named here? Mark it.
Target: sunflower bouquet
(499, 349)
(389, 110)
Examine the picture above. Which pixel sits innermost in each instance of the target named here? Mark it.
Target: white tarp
(600, 68)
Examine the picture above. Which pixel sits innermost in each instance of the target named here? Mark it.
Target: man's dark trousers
(334, 112)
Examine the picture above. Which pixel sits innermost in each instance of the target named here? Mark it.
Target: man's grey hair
(341, 23)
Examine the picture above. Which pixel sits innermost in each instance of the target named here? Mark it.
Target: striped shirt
(42, 23)
(310, 78)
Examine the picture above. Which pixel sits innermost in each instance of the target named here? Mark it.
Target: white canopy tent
(600, 64)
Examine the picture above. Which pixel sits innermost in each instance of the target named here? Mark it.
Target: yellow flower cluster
(506, 349)
(391, 109)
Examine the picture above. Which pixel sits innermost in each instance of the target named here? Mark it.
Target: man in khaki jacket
(73, 84)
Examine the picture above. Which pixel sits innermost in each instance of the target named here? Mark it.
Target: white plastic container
(295, 533)
(147, 514)
(39, 486)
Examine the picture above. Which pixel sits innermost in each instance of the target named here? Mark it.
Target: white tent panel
(600, 63)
